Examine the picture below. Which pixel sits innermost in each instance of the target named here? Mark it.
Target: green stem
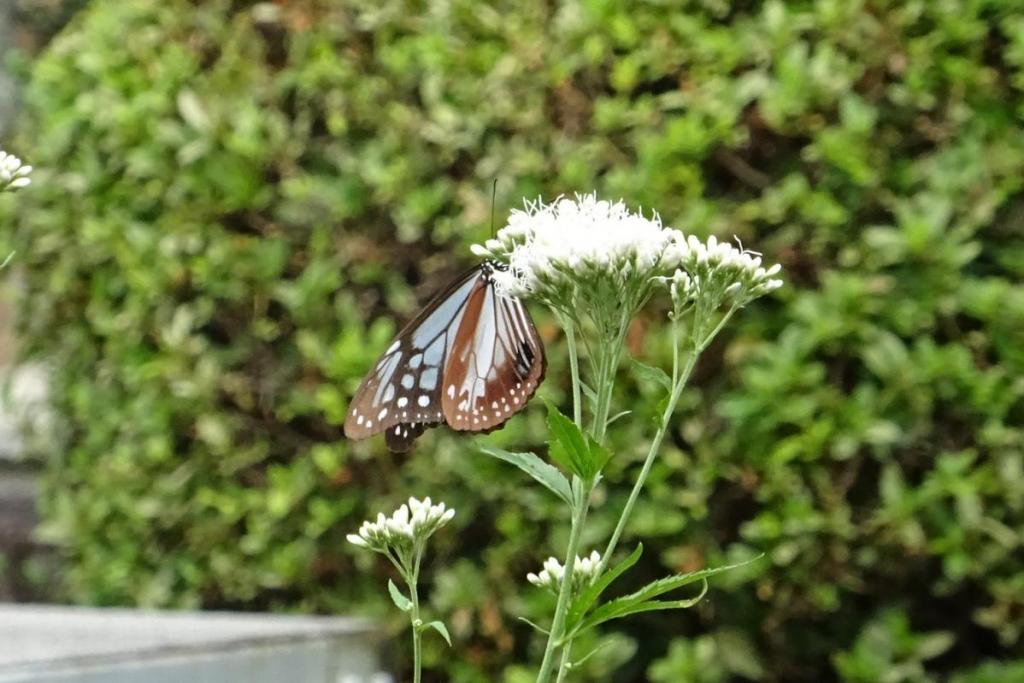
(678, 384)
(414, 619)
(609, 366)
(577, 408)
(564, 592)
(563, 665)
(574, 367)
(677, 391)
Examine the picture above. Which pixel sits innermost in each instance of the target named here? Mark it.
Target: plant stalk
(414, 618)
(574, 367)
(678, 384)
(563, 665)
(565, 590)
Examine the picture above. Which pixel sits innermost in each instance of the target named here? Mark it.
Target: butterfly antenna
(494, 194)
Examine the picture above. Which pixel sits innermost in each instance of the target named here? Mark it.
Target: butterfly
(471, 359)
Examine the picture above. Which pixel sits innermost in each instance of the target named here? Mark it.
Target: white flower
(410, 524)
(587, 257)
(583, 573)
(582, 255)
(714, 272)
(13, 174)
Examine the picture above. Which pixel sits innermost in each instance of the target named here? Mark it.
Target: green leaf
(623, 607)
(586, 599)
(650, 373)
(401, 602)
(440, 628)
(583, 660)
(589, 393)
(574, 450)
(616, 416)
(537, 628)
(568, 446)
(599, 455)
(544, 473)
(643, 599)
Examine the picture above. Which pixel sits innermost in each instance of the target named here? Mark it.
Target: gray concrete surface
(49, 644)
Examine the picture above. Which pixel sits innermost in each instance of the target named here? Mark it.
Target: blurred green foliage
(233, 199)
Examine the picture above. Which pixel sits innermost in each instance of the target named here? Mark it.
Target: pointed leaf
(544, 473)
(652, 374)
(616, 416)
(630, 604)
(535, 626)
(621, 607)
(583, 660)
(561, 457)
(599, 455)
(568, 444)
(401, 602)
(440, 628)
(589, 393)
(586, 599)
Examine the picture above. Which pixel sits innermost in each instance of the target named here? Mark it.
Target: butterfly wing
(401, 395)
(496, 364)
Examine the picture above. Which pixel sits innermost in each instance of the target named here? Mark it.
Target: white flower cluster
(717, 271)
(583, 573)
(583, 252)
(591, 255)
(13, 174)
(407, 526)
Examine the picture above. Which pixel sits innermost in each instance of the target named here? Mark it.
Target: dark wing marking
(401, 394)
(496, 364)
(400, 437)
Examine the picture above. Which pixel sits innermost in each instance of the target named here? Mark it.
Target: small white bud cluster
(13, 173)
(551, 576)
(716, 272)
(409, 525)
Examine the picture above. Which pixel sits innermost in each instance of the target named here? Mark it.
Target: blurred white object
(47, 644)
(23, 406)
(13, 172)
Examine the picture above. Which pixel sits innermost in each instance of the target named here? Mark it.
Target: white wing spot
(494, 405)
(359, 420)
(369, 423)
(382, 414)
(451, 391)
(424, 401)
(407, 381)
(392, 348)
(398, 429)
(415, 361)
(402, 402)
(389, 393)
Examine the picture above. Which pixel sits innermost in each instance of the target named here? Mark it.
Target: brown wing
(401, 395)
(496, 362)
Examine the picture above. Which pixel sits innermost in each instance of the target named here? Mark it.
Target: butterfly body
(471, 359)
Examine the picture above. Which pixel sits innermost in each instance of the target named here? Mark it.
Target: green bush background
(235, 202)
